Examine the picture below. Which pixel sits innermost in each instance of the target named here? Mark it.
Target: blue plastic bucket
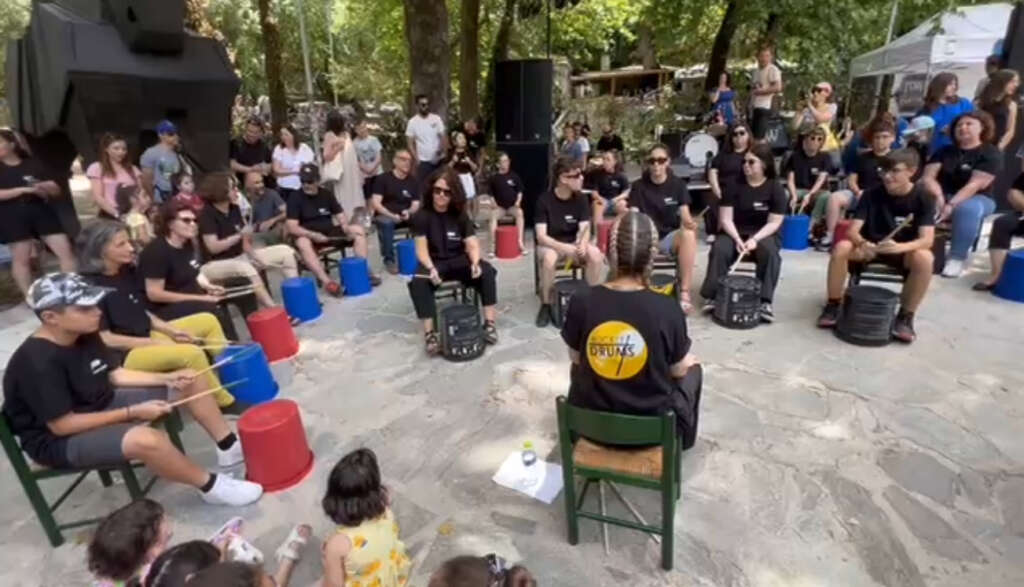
(259, 385)
(300, 300)
(1011, 281)
(407, 261)
(795, 230)
(355, 275)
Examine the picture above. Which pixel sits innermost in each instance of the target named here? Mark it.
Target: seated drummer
(1004, 228)
(71, 406)
(226, 239)
(562, 229)
(750, 215)
(807, 168)
(880, 211)
(394, 201)
(609, 187)
(665, 198)
(268, 211)
(629, 346)
(315, 220)
(506, 188)
(447, 249)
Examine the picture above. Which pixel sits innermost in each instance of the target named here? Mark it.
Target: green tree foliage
(14, 15)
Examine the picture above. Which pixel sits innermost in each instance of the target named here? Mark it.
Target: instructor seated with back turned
(871, 238)
(73, 407)
(629, 346)
(447, 249)
(750, 214)
(562, 228)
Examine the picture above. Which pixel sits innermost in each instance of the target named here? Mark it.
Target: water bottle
(529, 469)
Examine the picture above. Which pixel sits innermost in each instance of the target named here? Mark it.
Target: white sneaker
(230, 457)
(953, 268)
(229, 491)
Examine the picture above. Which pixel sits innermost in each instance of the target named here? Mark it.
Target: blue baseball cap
(166, 127)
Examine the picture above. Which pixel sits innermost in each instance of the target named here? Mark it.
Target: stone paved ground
(818, 463)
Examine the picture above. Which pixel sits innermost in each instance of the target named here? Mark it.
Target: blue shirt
(943, 117)
(724, 105)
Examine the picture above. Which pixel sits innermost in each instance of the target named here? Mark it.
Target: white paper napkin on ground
(514, 475)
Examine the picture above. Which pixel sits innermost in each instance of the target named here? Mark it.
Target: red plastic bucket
(272, 329)
(506, 245)
(604, 231)
(277, 454)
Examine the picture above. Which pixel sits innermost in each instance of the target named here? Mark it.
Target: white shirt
(427, 132)
(763, 78)
(292, 161)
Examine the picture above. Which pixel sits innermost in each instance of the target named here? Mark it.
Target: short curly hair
(118, 548)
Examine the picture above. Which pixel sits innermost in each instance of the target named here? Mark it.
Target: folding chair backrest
(611, 428)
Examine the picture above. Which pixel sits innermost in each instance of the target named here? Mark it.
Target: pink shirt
(110, 183)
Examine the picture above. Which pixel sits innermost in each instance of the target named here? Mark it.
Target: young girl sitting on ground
(134, 205)
(366, 549)
(126, 542)
(481, 571)
(185, 190)
(179, 563)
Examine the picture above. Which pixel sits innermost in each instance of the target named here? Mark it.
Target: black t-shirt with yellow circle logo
(628, 341)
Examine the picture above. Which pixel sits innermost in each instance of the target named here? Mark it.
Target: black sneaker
(767, 314)
(824, 245)
(708, 307)
(544, 316)
(829, 316)
(490, 333)
(903, 328)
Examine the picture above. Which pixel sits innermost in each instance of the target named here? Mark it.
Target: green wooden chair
(30, 474)
(650, 467)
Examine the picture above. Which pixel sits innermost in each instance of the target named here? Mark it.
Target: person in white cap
(71, 406)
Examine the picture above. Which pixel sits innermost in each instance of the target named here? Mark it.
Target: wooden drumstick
(737, 263)
(210, 391)
(219, 363)
(906, 222)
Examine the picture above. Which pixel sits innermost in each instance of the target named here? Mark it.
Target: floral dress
(377, 557)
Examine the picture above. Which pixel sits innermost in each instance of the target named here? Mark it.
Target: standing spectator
(427, 138)
(609, 140)
(394, 201)
(250, 153)
(24, 213)
(723, 98)
(462, 162)
(109, 173)
(288, 157)
(992, 64)
(999, 99)
(268, 211)
(161, 161)
(571, 146)
(767, 83)
(942, 103)
(476, 140)
(583, 132)
(820, 112)
(507, 190)
(369, 154)
(348, 189)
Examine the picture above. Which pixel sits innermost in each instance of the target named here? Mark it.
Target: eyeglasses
(440, 191)
(187, 219)
(751, 161)
(657, 160)
(574, 175)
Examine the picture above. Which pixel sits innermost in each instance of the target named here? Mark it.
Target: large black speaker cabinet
(145, 26)
(532, 163)
(1013, 42)
(522, 96)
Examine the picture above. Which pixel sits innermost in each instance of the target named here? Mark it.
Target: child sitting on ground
(366, 549)
(480, 571)
(184, 186)
(126, 542)
(179, 563)
(134, 205)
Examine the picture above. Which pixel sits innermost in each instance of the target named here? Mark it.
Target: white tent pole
(888, 39)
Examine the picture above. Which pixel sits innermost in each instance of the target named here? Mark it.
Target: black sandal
(490, 332)
(432, 343)
(982, 286)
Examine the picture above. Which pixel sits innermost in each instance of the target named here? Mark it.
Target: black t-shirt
(45, 381)
(752, 205)
(607, 185)
(806, 169)
(177, 267)
(475, 142)
(1018, 184)
(445, 233)
(397, 195)
(505, 188)
(958, 165)
(869, 172)
(627, 343)
(20, 175)
(882, 213)
(213, 221)
(562, 217)
(460, 161)
(660, 201)
(314, 212)
(247, 154)
(124, 308)
(730, 169)
(606, 143)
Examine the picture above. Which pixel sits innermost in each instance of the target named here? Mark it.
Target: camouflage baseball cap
(63, 289)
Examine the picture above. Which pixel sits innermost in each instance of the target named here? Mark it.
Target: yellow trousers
(163, 358)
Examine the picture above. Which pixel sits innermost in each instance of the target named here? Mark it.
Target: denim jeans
(967, 219)
(386, 236)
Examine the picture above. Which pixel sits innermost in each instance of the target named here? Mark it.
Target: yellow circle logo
(615, 350)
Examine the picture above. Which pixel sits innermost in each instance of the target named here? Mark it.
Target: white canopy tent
(956, 41)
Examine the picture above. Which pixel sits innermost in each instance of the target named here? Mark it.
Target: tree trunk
(498, 53)
(426, 35)
(771, 30)
(720, 47)
(272, 64)
(469, 60)
(645, 49)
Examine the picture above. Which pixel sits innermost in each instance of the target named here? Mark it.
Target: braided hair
(632, 246)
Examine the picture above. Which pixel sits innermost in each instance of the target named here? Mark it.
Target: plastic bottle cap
(528, 445)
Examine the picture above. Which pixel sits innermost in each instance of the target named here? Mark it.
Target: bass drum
(699, 149)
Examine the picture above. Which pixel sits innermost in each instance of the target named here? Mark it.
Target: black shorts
(27, 218)
(897, 262)
(759, 122)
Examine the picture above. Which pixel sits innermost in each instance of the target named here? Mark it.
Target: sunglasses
(574, 175)
(440, 191)
(187, 219)
(657, 160)
(740, 133)
(818, 90)
(751, 161)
